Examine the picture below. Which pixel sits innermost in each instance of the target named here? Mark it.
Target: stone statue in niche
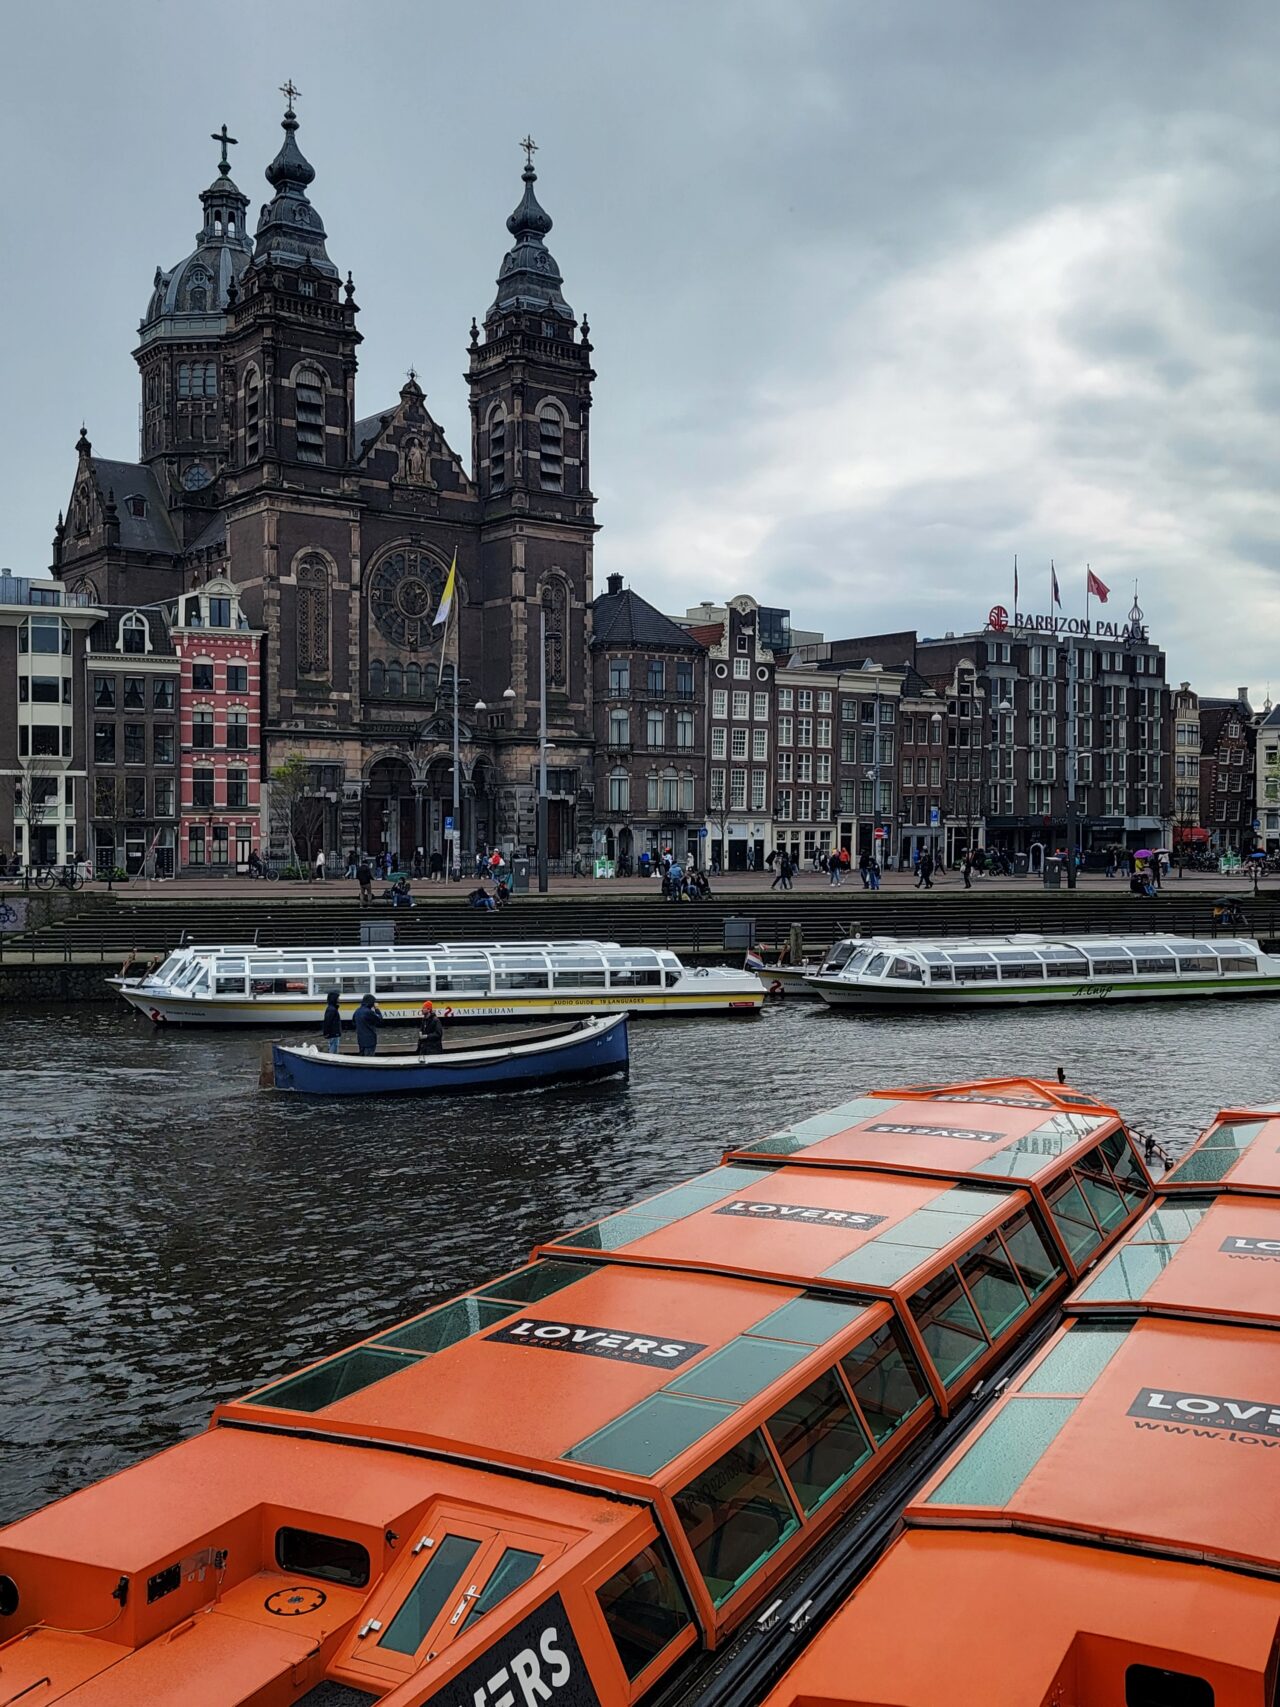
(415, 462)
(554, 606)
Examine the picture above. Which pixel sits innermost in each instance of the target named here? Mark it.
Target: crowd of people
(367, 1021)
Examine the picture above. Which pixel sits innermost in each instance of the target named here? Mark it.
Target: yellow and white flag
(446, 598)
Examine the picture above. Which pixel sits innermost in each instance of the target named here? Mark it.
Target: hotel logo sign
(1127, 633)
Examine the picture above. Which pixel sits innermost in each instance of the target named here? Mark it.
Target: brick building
(132, 695)
(1187, 826)
(44, 769)
(337, 527)
(1228, 743)
(743, 640)
(649, 682)
(1267, 792)
(219, 660)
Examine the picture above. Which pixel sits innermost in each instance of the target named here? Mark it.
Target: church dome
(198, 285)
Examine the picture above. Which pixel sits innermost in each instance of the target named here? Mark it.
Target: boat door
(454, 1571)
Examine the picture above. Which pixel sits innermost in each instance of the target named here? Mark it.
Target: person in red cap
(430, 1031)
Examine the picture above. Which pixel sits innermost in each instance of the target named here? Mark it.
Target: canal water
(170, 1235)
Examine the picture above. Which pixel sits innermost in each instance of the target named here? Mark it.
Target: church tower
(530, 383)
(291, 338)
(185, 419)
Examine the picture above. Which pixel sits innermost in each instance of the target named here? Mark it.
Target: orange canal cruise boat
(590, 1480)
(1109, 1534)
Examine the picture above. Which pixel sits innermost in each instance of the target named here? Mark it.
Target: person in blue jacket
(368, 1017)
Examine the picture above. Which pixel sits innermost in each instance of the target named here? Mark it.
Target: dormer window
(135, 634)
(136, 505)
(306, 288)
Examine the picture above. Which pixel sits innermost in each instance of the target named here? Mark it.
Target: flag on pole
(1053, 577)
(1097, 588)
(753, 962)
(1015, 583)
(446, 598)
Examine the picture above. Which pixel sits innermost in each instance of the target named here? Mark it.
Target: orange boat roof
(1216, 1257)
(1008, 1129)
(822, 1225)
(1240, 1151)
(1151, 1434)
(616, 1380)
(997, 1620)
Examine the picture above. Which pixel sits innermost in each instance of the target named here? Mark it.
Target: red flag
(1097, 589)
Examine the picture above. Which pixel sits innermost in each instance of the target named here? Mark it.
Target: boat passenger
(430, 1031)
(368, 1017)
(331, 1024)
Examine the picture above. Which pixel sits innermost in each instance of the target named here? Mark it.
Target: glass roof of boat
(1226, 1153)
(562, 955)
(1001, 951)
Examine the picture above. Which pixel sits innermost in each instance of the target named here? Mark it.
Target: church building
(337, 528)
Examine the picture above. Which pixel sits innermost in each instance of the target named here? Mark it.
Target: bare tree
(35, 790)
(297, 809)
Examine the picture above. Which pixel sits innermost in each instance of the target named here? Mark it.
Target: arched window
(135, 633)
(395, 681)
(497, 450)
(412, 682)
(308, 390)
(184, 379)
(555, 606)
(377, 679)
(252, 416)
(313, 616)
(551, 448)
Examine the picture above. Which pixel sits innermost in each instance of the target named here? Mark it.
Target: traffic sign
(448, 825)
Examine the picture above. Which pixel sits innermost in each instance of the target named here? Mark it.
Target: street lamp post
(935, 725)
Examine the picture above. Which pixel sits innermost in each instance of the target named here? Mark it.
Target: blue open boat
(588, 1049)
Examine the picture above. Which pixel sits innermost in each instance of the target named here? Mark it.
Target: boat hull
(839, 993)
(691, 996)
(793, 979)
(595, 1052)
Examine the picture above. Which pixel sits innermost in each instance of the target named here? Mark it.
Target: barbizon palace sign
(999, 621)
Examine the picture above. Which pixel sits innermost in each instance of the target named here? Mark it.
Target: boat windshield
(841, 955)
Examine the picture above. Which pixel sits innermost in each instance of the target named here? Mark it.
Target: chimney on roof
(614, 583)
(1242, 693)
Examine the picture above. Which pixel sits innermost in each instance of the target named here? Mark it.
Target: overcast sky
(881, 293)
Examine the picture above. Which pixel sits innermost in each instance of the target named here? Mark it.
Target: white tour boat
(250, 985)
(884, 972)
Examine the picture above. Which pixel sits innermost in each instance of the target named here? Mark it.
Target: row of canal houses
(133, 738)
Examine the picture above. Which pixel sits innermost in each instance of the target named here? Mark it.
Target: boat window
(740, 1370)
(885, 1379)
(511, 1572)
(1172, 1222)
(578, 975)
(820, 1441)
(444, 1327)
(1197, 963)
(1110, 967)
(229, 977)
(1125, 1166)
(840, 955)
(666, 1207)
(403, 975)
(634, 977)
(461, 983)
(875, 966)
(1128, 1272)
(1237, 963)
(645, 1607)
(530, 1285)
(536, 978)
(1071, 1215)
(1101, 1191)
(1004, 1454)
(650, 1434)
(880, 1262)
(1037, 1264)
(951, 1332)
(1021, 968)
(1077, 1360)
(973, 968)
(328, 1382)
(941, 973)
(736, 1515)
(1150, 964)
(330, 1557)
(1153, 1686)
(994, 1286)
(430, 1594)
(1203, 1166)
(1234, 1135)
(810, 1321)
(906, 969)
(1064, 964)
(189, 974)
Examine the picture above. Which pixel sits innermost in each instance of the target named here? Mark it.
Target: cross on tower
(412, 376)
(530, 149)
(289, 92)
(226, 141)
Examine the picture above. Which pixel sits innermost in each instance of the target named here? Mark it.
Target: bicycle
(263, 871)
(51, 877)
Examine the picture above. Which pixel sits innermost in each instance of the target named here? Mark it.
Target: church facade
(338, 528)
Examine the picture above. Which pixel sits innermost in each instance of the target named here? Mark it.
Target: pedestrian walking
(331, 1024)
(353, 861)
(873, 874)
(833, 870)
(436, 866)
(864, 863)
(966, 871)
(780, 870)
(320, 866)
(368, 1017)
(364, 877)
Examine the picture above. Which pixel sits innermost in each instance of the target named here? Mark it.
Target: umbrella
(1142, 853)
(1257, 854)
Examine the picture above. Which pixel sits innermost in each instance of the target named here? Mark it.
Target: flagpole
(1087, 573)
(454, 864)
(1015, 589)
